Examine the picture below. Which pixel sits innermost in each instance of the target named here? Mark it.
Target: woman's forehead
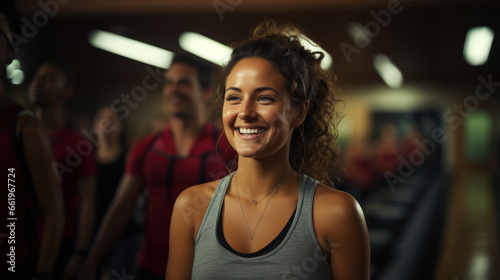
(254, 70)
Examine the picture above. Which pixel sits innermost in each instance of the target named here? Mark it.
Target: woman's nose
(247, 111)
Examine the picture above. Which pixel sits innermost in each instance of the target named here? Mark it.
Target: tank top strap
(210, 219)
(305, 204)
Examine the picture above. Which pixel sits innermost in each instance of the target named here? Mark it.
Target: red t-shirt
(74, 160)
(19, 210)
(166, 175)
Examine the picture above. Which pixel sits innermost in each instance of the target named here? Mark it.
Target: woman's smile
(251, 133)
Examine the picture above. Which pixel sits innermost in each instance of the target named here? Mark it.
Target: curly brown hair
(314, 150)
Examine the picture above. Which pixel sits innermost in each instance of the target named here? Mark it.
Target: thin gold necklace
(256, 200)
(252, 234)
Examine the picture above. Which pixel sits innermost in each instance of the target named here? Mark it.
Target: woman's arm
(186, 219)
(340, 225)
(39, 157)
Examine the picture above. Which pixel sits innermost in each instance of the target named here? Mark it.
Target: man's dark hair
(205, 69)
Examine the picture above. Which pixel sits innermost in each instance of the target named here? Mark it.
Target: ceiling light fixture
(14, 72)
(312, 46)
(478, 45)
(130, 48)
(387, 71)
(205, 48)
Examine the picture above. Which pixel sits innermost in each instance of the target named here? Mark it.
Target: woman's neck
(259, 176)
(108, 150)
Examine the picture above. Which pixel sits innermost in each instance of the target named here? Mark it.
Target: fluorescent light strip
(358, 34)
(205, 48)
(478, 45)
(387, 71)
(313, 47)
(130, 48)
(220, 54)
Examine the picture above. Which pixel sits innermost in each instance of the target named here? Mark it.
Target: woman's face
(108, 123)
(257, 113)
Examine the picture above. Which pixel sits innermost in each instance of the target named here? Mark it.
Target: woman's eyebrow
(233, 88)
(267, 88)
(260, 89)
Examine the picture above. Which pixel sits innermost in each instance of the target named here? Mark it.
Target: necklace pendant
(254, 203)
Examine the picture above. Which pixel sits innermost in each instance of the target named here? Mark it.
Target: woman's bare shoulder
(195, 194)
(341, 230)
(336, 207)
(193, 201)
(329, 196)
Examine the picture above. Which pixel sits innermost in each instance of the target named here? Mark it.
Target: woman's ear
(301, 114)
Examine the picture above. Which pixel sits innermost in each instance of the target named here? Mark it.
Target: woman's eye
(231, 98)
(265, 98)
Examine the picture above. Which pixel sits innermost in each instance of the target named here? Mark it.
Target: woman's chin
(248, 152)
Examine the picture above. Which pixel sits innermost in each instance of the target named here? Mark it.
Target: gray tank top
(298, 256)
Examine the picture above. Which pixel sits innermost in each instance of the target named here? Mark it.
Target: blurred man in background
(166, 162)
(50, 88)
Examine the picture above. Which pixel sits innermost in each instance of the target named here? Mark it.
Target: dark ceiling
(425, 39)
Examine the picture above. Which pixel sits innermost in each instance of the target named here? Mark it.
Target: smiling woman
(275, 217)
(257, 114)
(307, 84)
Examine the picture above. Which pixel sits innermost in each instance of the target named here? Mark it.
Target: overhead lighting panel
(313, 47)
(131, 48)
(205, 48)
(478, 45)
(220, 54)
(14, 72)
(387, 71)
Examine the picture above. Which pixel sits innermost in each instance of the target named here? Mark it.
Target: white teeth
(251, 130)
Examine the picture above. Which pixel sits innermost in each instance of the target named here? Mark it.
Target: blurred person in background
(413, 136)
(110, 155)
(387, 151)
(50, 88)
(32, 189)
(189, 150)
(358, 162)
